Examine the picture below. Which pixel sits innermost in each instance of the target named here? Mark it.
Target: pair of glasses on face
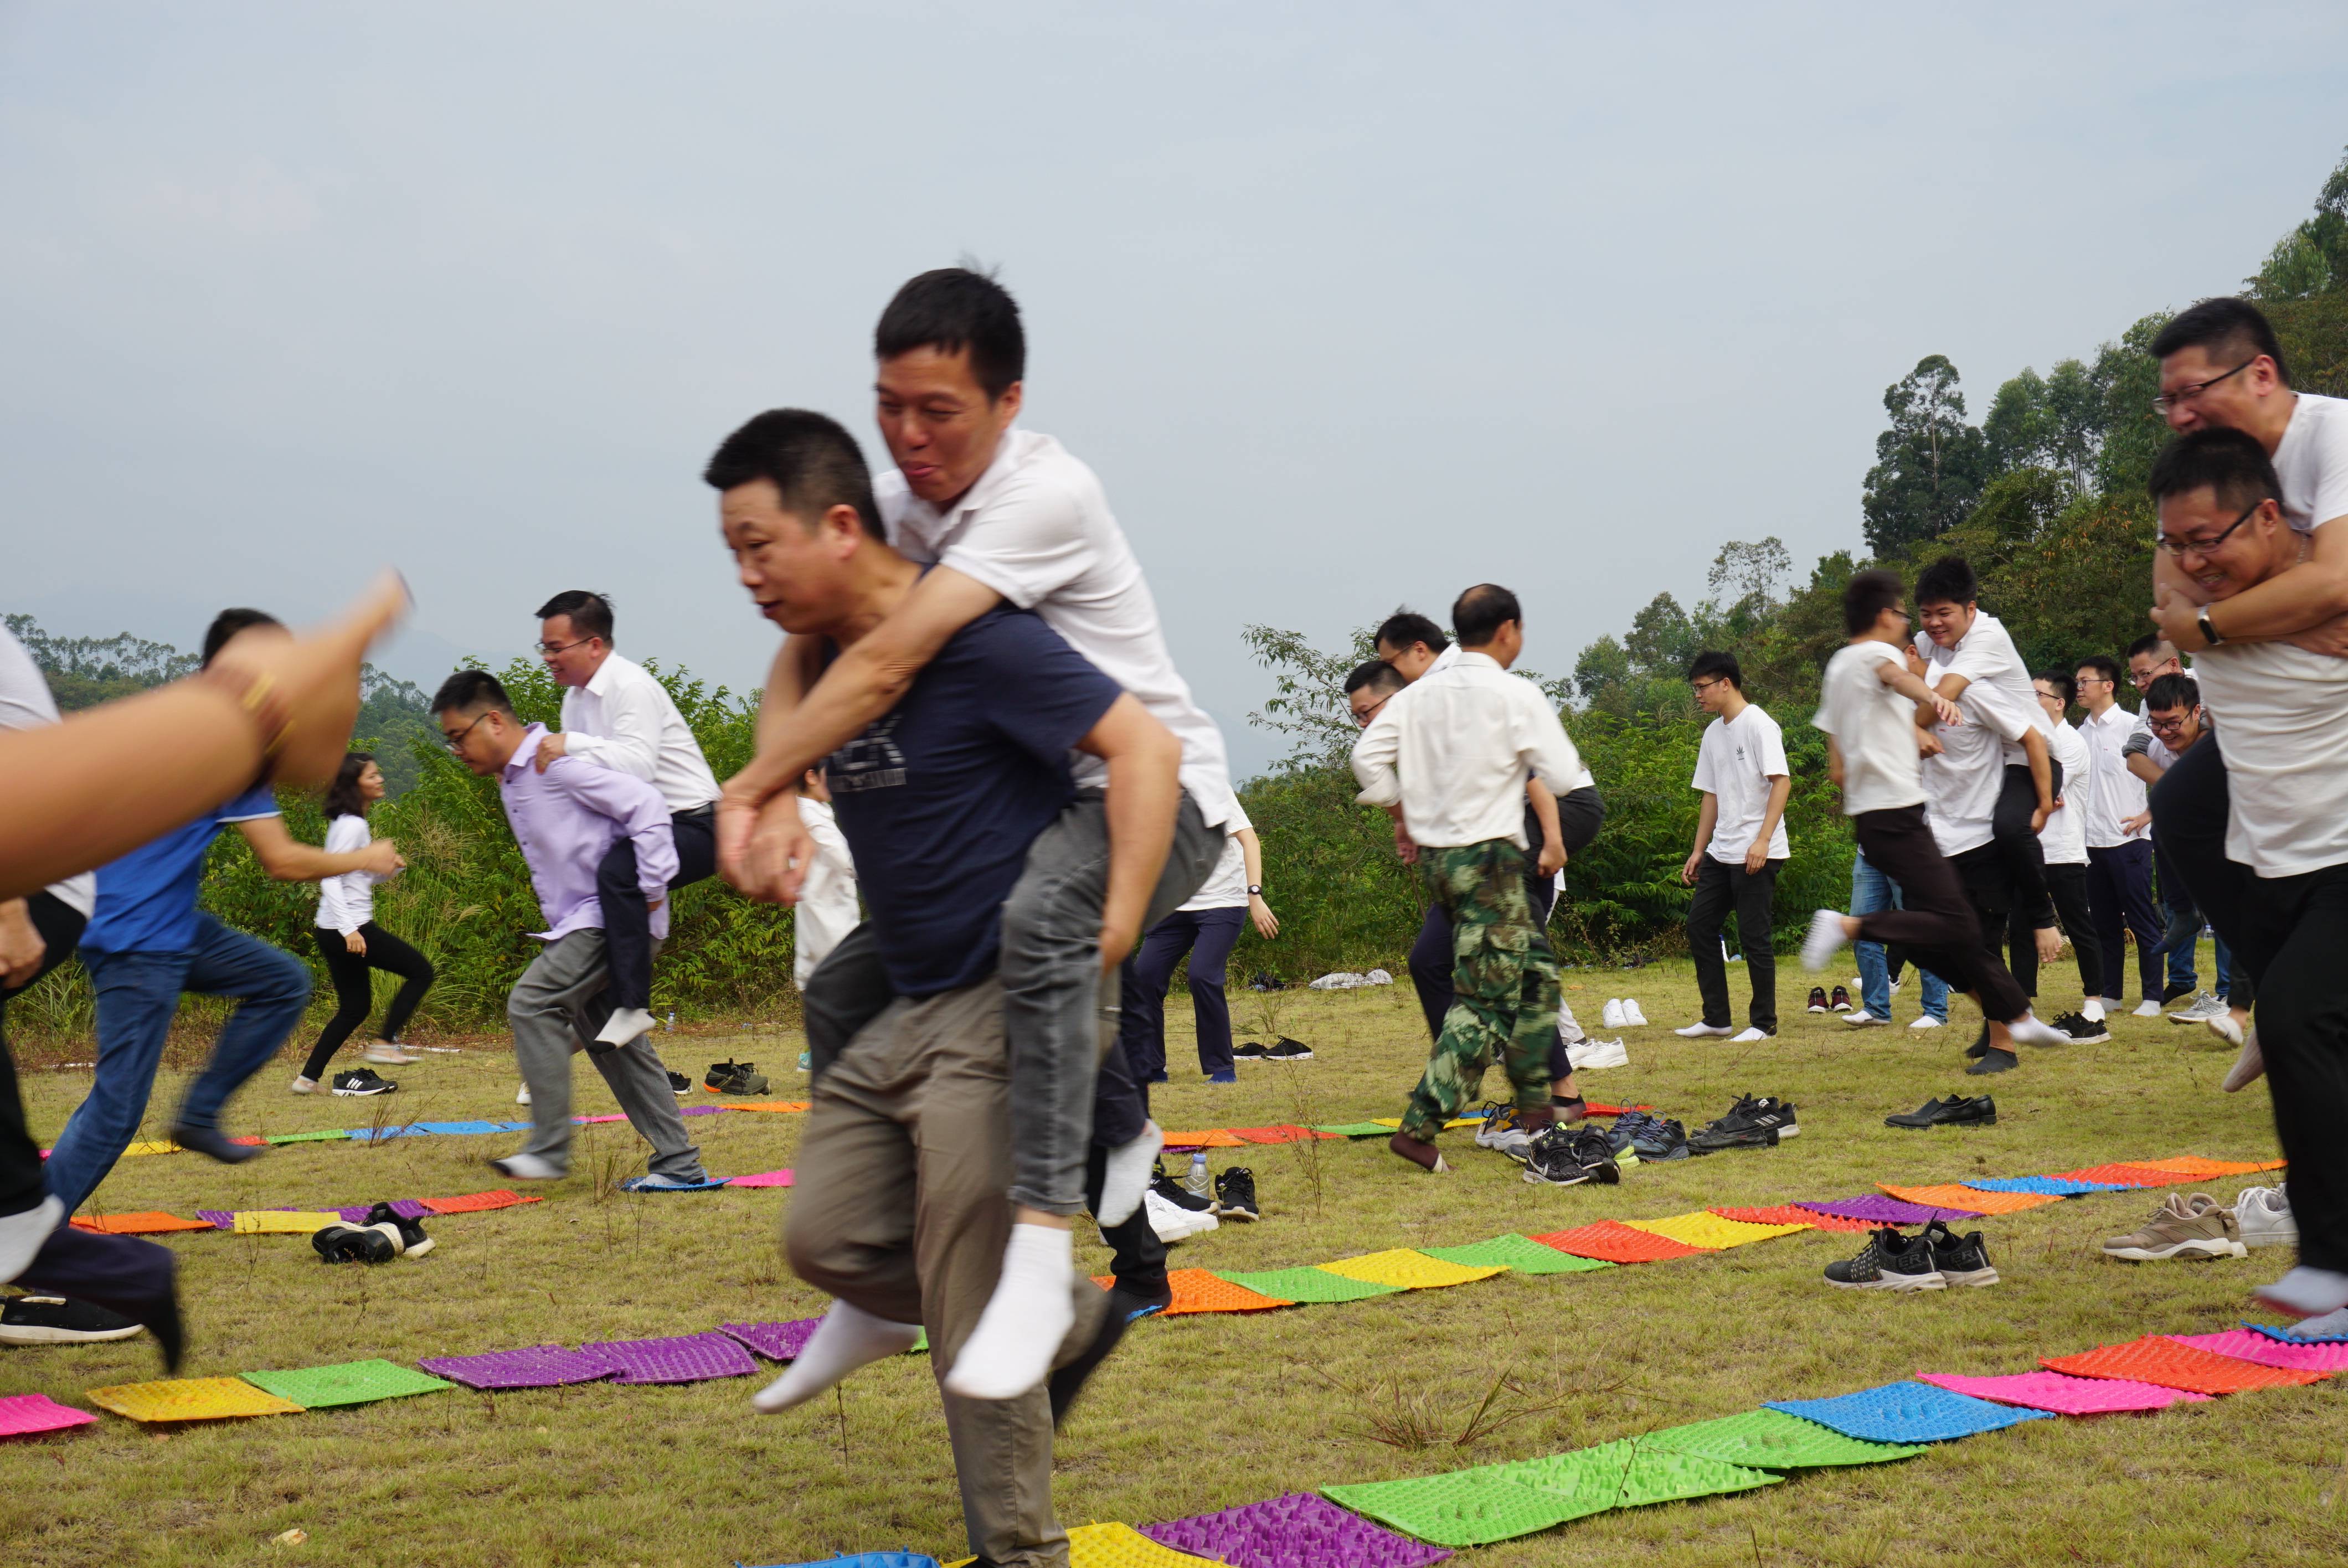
(2169, 400)
(2160, 726)
(1704, 686)
(1362, 718)
(549, 650)
(455, 743)
(2178, 547)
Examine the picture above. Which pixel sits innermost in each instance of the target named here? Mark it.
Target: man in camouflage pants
(1505, 984)
(1449, 756)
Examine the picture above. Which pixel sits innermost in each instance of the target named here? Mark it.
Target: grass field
(1208, 1411)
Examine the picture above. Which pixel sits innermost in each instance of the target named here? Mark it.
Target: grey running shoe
(2201, 1009)
(1890, 1260)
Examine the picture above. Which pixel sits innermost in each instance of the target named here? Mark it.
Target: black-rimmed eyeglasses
(2169, 400)
(2203, 547)
(455, 743)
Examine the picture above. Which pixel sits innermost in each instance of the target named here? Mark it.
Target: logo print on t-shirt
(871, 761)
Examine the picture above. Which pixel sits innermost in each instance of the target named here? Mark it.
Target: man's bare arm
(287, 859)
(1145, 789)
(1930, 706)
(2286, 608)
(1544, 805)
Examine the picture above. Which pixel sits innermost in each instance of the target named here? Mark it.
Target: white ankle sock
(847, 1338)
(1127, 1175)
(2329, 1326)
(1011, 1351)
(22, 1236)
(623, 1026)
(2028, 1030)
(2309, 1292)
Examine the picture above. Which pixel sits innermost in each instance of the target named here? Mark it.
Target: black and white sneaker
(1956, 1110)
(1751, 1123)
(1288, 1050)
(1570, 1156)
(1235, 1194)
(1251, 1048)
(1841, 1000)
(2082, 1030)
(54, 1320)
(339, 1243)
(1180, 1196)
(1890, 1260)
(360, 1082)
(413, 1242)
(1817, 999)
(679, 1084)
(1961, 1260)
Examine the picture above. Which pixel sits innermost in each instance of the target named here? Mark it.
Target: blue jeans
(2181, 972)
(137, 995)
(1871, 891)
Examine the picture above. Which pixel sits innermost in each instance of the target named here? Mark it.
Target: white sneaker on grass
(1611, 1017)
(2264, 1217)
(1929, 1022)
(305, 1084)
(1860, 1018)
(2148, 1008)
(1748, 1036)
(521, 1095)
(528, 1168)
(1824, 940)
(1631, 1015)
(2201, 1009)
(1702, 1031)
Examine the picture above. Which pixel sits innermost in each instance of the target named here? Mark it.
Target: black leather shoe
(211, 1141)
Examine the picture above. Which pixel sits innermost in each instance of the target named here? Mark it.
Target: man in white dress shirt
(1740, 846)
(616, 715)
(1453, 752)
(2119, 837)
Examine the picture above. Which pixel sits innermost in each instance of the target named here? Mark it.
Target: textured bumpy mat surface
(1712, 1232)
(1315, 1286)
(347, 1383)
(1792, 1214)
(23, 1415)
(1772, 1440)
(776, 1341)
(2156, 1360)
(148, 1222)
(677, 1358)
(1409, 1270)
(1295, 1530)
(1631, 1474)
(1959, 1195)
(1518, 1253)
(191, 1399)
(1617, 1242)
(533, 1367)
(1877, 1209)
(2244, 1346)
(2062, 1394)
(1464, 1508)
(1907, 1413)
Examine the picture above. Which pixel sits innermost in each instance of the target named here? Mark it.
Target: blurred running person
(1740, 847)
(354, 946)
(1872, 890)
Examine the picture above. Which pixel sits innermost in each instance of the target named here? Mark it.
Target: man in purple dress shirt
(566, 818)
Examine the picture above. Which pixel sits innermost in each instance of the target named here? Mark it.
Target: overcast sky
(1349, 304)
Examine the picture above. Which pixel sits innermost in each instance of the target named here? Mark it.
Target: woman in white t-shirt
(353, 945)
(1207, 928)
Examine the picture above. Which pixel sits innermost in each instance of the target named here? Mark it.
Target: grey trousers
(1061, 1015)
(557, 1006)
(899, 1210)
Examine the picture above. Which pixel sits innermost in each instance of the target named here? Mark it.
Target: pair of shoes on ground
(380, 1237)
(1570, 1156)
(2196, 1227)
(1820, 1002)
(1177, 1213)
(1282, 1049)
(1956, 1110)
(1640, 1138)
(1702, 1031)
(731, 1077)
(1935, 1258)
(1751, 1123)
(358, 1083)
(1622, 1012)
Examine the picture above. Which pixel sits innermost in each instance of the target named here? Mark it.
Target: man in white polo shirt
(2278, 707)
(2119, 837)
(1740, 846)
(616, 715)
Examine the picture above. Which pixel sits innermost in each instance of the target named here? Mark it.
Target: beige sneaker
(2195, 1227)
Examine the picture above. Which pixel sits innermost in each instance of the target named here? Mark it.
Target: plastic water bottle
(671, 1017)
(1197, 1184)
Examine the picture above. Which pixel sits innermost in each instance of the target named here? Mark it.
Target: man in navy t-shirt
(147, 942)
(901, 1208)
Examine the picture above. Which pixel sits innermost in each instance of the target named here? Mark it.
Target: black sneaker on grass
(1956, 1110)
(1570, 1156)
(360, 1081)
(2082, 1030)
(54, 1320)
(413, 1242)
(731, 1077)
(1288, 1050)
(1655, 1140)
(1751, 1123)
(1235, 1194)
(2170, 993)
(340, 1243)
(1890, 1260)
(1817, 999)
(679, 1084)
(1961, 1260)
(1254, 1048)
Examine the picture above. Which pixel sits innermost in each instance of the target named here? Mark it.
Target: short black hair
(954, 308)
(1376, 675)
(2223, 323)
(1404, 626)
(470, 689)
(2103, 664)
(813, 462)
(1712, 662)
(342, 794)
(228, 623)
(2151, 643)
(2065, 687)
(2173, 692)
(2230, 463)
(1867, 596)
(1949, 580)
(1478, 615)
(590, 613)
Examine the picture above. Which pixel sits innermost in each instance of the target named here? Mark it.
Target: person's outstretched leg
(542, 1011)
(138, 994)
(627, 928)
(1430, 969)
(1757, 899)
(272, 989)
(1211, 1008)
(2296, 931)
(389, 954)
(1482, 887)
(353, 999)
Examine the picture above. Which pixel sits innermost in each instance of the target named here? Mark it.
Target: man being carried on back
(1454, 749)
(1869, 706)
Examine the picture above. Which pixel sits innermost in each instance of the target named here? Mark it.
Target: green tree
(2312, 259)
(1929, 464)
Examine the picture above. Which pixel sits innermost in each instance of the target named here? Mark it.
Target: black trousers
(1940, 926)
(2119, 889)
(2190, 807)
(627, 924)
(354, 988)
(2067, 885)
(2294, 931)
(1580, 815)
(1720, 887)
(21, 1187)
(2017, 841)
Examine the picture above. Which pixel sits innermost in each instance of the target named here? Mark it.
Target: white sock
(2330, 1326)
(622, 1026)
(1128, 1175)
(2093, 1011)
(2028, 1030)
(847, 1338)
(22, 1235)
(2309, 1292)
(1011, 1351)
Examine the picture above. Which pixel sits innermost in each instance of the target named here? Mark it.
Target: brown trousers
(901, 1208)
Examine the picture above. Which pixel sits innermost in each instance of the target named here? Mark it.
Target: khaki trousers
(903, 1209)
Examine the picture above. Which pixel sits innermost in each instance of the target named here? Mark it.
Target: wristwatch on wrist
(2208, 632)
(1255, 889)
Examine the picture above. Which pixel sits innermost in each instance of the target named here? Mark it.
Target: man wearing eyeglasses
(2276, 706)
(616, 715)
(2221, 367)
(2152, 661)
